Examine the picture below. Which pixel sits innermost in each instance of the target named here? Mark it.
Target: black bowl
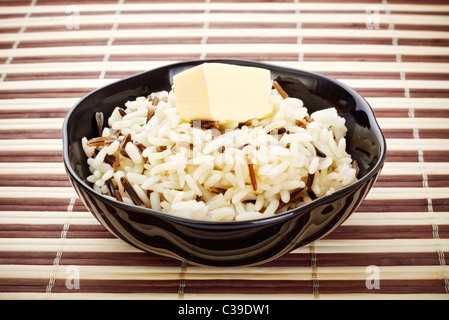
(233, 243)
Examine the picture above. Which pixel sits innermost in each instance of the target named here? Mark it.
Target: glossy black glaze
(237, 242)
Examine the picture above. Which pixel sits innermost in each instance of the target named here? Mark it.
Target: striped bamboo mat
(396, 54)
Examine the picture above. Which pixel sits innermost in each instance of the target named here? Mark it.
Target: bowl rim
(303, 209)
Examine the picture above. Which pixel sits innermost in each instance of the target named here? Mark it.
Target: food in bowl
(226, 243)
(219, 170)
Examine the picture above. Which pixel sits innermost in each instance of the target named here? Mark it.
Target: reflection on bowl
(233, 243)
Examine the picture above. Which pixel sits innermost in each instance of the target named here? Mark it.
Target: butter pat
(223, 92)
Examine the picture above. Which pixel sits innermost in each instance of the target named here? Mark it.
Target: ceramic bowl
(234, 243)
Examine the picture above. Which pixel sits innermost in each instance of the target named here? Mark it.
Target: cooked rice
(233, 172)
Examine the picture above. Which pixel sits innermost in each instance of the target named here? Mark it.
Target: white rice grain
(272, 207)
(133, 153)
(313, 166)
(100, 158)
(155, 200)
(192, 184)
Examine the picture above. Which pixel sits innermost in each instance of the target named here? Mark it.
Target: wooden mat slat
(400, 66)
(412, 18)
(221, 35)
(357, 67)
(56, 7)
(226, 49)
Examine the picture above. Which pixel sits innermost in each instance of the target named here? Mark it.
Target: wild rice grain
(131, 192)
(281, 91)
(110, 186)
(252, 175)
(99, 119)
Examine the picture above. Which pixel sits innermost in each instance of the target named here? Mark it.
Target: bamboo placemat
(396, 54)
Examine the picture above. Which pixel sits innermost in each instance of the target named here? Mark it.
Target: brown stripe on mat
(399, 1)
(63, 14)
(118, 286)
(31, 156)
(27, 93)
(427, 76)
(432, 113)
(443, 229)
(436, 156)
(30, 231)
(51, 75)
(363, 75)
(260, 39)
(10, 30)
(116, 259)
(55, 28)
(89, 232)
(336, 11)
(391, 113)
(423, 133)
(440, 205)
(358, 41)
(421, 13)
(33, 113)
(397, 181)
(255, 56)
(55, 58)
(254, 11)
(429, 93)
(288, 260)
(394, 205)
(340, 25)
(381, 232)
(157, 40)
(250, 25)
(9, 16)
(62, 43)
(427, 27)
(121, 74)
(154, 57)
(398, 133)
(6, 45)
(424, 42)
(40, 204)
(27, 257)
(434, 133)
(438, 180)
(35, 180)
(425, 58)
(402, 156)
(367, 57)
(385, 286)
(23, 285)
(30, 134)
(160, 25)
(380, 92)
(377, 258)
(255, 286)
